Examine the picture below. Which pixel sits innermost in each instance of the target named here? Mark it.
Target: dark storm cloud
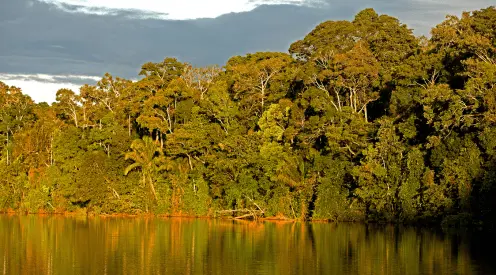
(40, 38)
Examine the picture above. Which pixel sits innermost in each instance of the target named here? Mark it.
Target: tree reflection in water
(81, 245)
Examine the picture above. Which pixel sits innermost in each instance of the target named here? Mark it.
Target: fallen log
(234, 211)
(250, 213)
(245, 216)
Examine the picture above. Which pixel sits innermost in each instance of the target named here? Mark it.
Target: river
(36, 244)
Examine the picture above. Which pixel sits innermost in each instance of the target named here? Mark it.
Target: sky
(51, 44)
(172, 9)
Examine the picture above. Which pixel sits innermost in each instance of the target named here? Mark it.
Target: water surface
(81, 245)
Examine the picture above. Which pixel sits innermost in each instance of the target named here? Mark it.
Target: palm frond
(131, 167)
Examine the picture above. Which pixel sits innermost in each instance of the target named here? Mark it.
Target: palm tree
(148, 157)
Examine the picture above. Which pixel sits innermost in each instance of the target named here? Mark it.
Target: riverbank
(456, 224)
(146, 215)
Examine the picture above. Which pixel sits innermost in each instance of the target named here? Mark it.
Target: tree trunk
(152, 188)
(189, 161)
(365, 112)
(351, 100)
(263, 99)
(339, 99)
(51, 151)
(169, 120)
(7, 146)
(129, 124)
(75, 119)
(355, 101)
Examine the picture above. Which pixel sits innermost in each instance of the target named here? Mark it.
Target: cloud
(132, 13)
(43, 87)
(169, 9)
(45, 39)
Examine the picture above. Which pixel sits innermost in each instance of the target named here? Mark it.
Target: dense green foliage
(360, 121)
